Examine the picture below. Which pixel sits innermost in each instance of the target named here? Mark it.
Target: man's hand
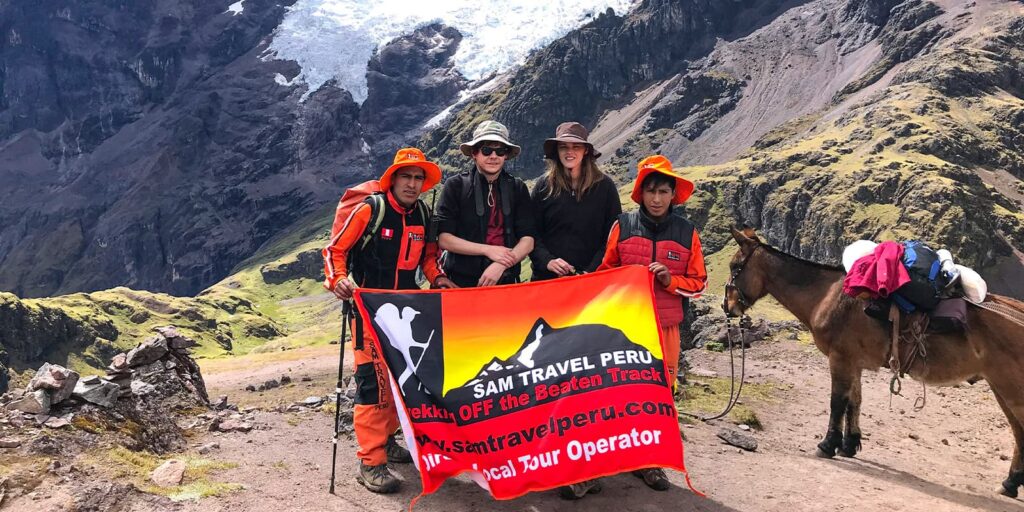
(343, 289)
(491, 275)
(444, 282)
(560, 267)
(499, 254)
(661, 273)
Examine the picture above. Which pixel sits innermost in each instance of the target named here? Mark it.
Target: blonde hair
(559, 180)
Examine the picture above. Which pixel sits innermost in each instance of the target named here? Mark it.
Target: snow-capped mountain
(334, 39)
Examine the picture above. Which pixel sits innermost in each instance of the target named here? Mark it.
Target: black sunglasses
(487, 150)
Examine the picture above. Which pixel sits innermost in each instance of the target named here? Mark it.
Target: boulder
(169, 474)
(56, 379)
(36, 402)
(168, 331)
(738, 440)
(103, 394)
(149, 351)
(120, 362)
(9, 442)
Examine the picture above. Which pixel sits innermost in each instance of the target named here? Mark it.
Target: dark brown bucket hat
(570, 131)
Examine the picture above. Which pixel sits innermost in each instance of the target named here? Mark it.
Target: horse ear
(746, 238)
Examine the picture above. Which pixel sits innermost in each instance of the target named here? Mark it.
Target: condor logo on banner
(531, 386)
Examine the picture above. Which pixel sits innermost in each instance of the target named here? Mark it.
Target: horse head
(746, 274)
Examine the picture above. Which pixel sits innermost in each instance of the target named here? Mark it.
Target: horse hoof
(824, 454)
(1008, 491)
(848, 453)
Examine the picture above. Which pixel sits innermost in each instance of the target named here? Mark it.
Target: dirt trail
(946, 457)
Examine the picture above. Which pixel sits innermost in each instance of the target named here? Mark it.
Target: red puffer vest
(643, 241)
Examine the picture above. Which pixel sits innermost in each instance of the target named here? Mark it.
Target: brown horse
(992, 348)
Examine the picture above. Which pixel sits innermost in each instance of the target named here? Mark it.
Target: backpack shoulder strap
(376, 202)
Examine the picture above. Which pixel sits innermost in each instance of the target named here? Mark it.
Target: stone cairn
(159, 367)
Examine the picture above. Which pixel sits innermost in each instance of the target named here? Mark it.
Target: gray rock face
(103, 394)
(130, 109)
(408, 81)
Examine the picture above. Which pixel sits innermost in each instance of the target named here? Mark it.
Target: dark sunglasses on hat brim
(487, 150)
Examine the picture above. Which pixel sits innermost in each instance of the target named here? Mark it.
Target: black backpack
(927, 282)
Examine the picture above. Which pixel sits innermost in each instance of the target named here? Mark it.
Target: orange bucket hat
(412, 157)
(658, 163)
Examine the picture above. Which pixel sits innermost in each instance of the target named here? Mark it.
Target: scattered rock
(738, 440)
(744, 427)
(9, 442)
(232, 425)
(250, 387)
(91, 380)
(313, 401)
(222, 403)
(702, 373)
(307, 378)
(58, 422)
(208, 447)
(285, 380)
(169, 474)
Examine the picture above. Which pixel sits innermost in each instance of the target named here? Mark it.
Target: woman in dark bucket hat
(575, 204)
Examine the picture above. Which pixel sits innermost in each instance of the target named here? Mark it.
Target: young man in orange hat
(669, 246)
(388, 259)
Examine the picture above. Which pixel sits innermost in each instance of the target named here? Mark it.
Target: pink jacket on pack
(878, 274)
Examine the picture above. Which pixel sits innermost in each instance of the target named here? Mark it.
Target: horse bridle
(731, 284)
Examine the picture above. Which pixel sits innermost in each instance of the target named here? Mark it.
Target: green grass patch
(137, 466)
(707, 396)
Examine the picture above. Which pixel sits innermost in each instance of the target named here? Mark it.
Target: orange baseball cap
(412, 157)
(658, 163)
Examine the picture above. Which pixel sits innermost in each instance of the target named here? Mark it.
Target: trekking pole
(346, 311)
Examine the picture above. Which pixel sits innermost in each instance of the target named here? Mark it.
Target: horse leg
(1016, 476)
(842, 382)
(851, 439)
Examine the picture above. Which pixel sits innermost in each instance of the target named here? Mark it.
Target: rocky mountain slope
(817, 122)
(155, 145)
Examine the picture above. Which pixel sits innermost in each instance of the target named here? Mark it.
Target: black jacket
(575, 231)
(463, 212)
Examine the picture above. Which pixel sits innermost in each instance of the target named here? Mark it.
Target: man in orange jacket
(388, 260)
(669, 246)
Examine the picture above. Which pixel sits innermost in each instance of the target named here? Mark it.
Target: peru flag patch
(387, 233)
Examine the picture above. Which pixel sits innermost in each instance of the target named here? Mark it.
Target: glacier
(334, 39)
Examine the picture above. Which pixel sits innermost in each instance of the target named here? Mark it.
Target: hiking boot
(579, 490)
(655, 478)
(397, 454)
(377, 478)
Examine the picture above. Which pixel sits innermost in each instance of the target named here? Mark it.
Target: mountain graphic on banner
(544, 346)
